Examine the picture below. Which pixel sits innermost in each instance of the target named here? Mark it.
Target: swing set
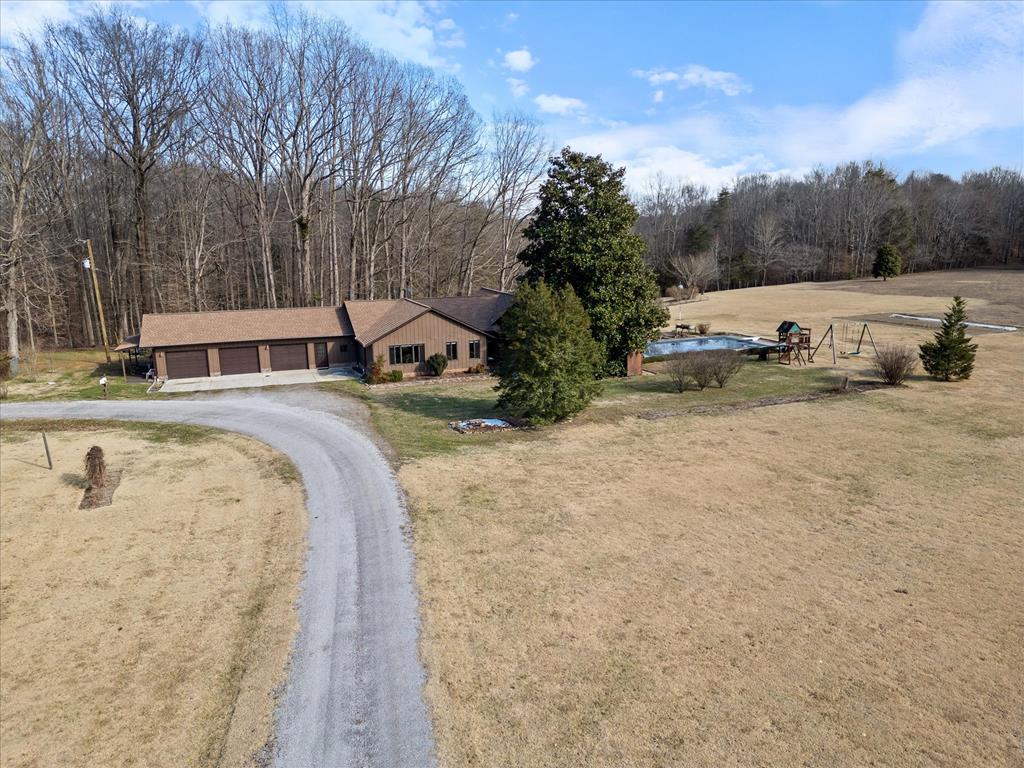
(845, 340)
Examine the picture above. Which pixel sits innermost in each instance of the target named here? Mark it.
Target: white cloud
(695, 76)
(511, 17)
(520, 61)
(408, 30)
(961, 75)
(559, 105)
(659, 96)
(518, 87)
(958, 78)
(239, 13)
(29, 17)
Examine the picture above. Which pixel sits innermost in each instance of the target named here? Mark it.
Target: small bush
(838, 383)
(895, 363)
(703, 328)
(3, 390)
(676, 293)
(678, 370)
(394, 375)
(437, 363)
(724, 365)
(478, 368)
(377, 373)
(5, 366)
(702, 368)
(95, 467)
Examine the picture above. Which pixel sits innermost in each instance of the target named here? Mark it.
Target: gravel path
(354, 694)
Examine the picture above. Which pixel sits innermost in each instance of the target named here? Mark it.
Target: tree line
(829, 225)
(294, 166)
(232, 168)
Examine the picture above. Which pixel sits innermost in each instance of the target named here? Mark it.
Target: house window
(451, 350)
(405, 353)
(474, 349)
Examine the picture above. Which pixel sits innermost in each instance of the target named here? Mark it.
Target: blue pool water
(703, 343)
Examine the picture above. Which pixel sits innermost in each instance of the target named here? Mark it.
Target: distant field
(828, 583)
(151, 632)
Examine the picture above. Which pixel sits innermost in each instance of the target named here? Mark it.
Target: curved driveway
(354, 694)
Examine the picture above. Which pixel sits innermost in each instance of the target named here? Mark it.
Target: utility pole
(90, 264)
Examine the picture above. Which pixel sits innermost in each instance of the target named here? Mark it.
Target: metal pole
(46, 447)
(91, 266)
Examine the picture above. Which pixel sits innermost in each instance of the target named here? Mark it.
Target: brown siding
(432, 331)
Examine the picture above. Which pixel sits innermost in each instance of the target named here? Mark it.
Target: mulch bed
(764, 402)
(102, 497)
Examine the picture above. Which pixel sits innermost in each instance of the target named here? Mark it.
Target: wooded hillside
(295, 166)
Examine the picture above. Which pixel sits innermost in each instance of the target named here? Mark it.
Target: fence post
(46, 447)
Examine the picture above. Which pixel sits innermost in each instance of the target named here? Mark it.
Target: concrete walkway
(354, 693)
(249, 380)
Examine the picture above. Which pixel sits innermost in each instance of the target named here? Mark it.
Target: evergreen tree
(549, 360)
(582, 236)
(887, 262)
(951, 355)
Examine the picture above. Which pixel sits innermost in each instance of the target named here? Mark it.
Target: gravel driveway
(354, 694)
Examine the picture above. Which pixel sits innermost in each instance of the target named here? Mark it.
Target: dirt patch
(832, 582)
(153, 631)
(102, 496)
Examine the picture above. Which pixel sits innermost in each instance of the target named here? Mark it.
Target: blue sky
(703, 91)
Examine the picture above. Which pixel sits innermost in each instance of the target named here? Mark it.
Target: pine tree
(582, 236)
(951, 355)
(549, 360)
(887, 262)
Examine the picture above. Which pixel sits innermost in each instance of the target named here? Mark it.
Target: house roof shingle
(373, 319)
(480, 311)
(366, 320)
(235, 325)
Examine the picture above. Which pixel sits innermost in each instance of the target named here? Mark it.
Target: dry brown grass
(827, 583)
(151, 632)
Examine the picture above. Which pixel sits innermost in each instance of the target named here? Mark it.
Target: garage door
(188, 364)
(239, 360)
(288, 357)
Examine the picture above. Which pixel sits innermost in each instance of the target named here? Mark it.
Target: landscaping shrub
(478, 368)
(895, 363)
(395, 375)
(702, 368)
(95, 467)
(377, 373)
(678, 370)
(724, 365)
(703, 328)
(951, 355)
(437, 363)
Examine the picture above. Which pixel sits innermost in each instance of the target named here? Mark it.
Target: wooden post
(46, 447)
(124, 373)
(91, 266)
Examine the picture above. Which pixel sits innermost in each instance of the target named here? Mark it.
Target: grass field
(72, 374)
(151, 632)
(834, 582)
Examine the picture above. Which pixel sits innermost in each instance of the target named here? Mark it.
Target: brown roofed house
(403, 333)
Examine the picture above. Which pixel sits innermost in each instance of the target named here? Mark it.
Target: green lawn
(414, 419)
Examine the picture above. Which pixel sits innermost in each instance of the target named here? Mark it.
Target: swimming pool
(664, 347)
